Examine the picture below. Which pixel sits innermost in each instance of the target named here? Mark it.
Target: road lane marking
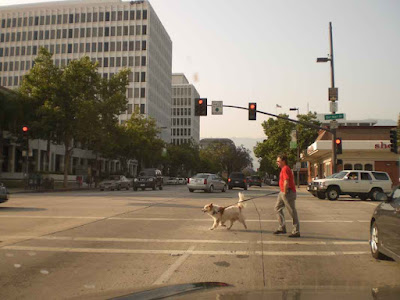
(180, 252)
(170, 219)
(138, 240)
(170, 271)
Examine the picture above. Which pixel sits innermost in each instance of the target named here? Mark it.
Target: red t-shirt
(286, 174)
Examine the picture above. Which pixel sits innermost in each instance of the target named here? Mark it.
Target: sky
(265, 51)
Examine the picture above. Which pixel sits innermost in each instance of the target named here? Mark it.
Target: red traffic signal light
(25, 129)
(252, 111)
(200, 107)
(338, 142)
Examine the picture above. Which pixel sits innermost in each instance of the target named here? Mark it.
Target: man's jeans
(289, 201)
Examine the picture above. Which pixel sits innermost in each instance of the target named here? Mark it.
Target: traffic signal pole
(334, 155)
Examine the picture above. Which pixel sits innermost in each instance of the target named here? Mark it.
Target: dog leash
(266, 195)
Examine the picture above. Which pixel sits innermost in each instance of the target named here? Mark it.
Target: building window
(118, 62)
(136, 76)
(132, 15)
(138, 14)
(144, 45)
(131, 61)
(71, 18)
(107, 16)
(124, 61)
(130, 95)
(142, 109)
(101, 16)
(368, 167)
(143, 77)
(106, 47)
(105, 62)
(120, 16)
(138, 29)
(112, 62)
(126, 30)
(144, 14)
(358, 167)
(69, 48)
(142, 92)
(112, 46)
(144, 29)
(126, 15)
(136, 93)
(113, 31)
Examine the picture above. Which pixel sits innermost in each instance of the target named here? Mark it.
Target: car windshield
(147, 173)
(201, 176)
(237, 175)
(339, 175)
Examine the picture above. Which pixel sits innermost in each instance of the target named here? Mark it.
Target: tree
(41, 86)
(14, 111)
(182, 159)
(278, 140)
(221, 157)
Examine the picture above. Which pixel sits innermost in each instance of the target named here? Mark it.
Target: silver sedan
(206, 182)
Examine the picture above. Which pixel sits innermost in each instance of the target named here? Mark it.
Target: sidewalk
(73, 187)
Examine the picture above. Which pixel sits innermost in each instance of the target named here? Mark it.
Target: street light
(326, 59)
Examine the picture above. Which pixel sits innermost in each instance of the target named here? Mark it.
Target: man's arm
(286, 186)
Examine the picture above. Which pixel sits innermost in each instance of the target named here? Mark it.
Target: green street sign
(334, 117)
(293, 145)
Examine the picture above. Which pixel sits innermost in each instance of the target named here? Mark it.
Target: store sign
(382, 145)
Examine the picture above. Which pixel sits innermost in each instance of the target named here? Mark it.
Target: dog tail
(241, 200)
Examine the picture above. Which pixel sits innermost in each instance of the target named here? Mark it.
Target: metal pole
(334, 158)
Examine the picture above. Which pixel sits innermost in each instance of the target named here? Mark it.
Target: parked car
(115, 182)
(171, 181)
(274, 182)
(149, 178)
(206, 182)
(237, 179)
(255, 180)
(181, 180)
(364, 184)
(3, 193)
(385, 226)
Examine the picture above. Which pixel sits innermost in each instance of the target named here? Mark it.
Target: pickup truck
(364, 184)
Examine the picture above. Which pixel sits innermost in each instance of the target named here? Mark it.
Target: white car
(171, 181)
(206, 182)
(364, 184)
(181, 180)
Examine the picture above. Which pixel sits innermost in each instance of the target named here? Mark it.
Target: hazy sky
(265, 52)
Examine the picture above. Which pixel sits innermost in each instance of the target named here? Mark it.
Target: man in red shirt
(286, 198)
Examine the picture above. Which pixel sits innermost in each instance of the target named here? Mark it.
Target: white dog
(222, 214)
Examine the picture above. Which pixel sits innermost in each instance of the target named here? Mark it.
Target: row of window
(181, 131)
(74, 18)
(183, 121)
(131, 61)
(134, 93)
(76, 48)
(181, 91)
(136, 108)
(180, 141)
(181, 111)
(183, 101)
(73, 33)
(366, 167)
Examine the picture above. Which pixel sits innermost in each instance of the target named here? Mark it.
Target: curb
(51, 191)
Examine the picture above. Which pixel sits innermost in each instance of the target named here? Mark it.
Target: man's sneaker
(295, 235)
(280, 231)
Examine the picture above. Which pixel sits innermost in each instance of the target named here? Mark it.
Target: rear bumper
(197, 187)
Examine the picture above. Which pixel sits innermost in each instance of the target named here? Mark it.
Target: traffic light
(252, 111)
(200, 107)
(25, 132)
(393, 141)
(338, 143)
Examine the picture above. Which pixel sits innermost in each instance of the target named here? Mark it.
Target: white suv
(364, 184)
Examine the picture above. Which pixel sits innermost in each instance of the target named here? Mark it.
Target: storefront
(364, 148)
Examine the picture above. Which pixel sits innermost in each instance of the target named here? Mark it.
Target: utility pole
(333, 97)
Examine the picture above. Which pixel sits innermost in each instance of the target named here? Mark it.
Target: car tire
(332, 193)
(224, 188)
(374, 242)
(374, 192)
(352, 195)
(211, 189)
(160, 187)
(363, 197)
(191, 190)
(321, 195)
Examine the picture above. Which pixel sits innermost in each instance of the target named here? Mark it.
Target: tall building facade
(116, 34)
(184, 124)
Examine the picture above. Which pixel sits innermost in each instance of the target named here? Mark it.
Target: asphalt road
(77, 244)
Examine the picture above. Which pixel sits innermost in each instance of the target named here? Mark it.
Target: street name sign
(334, 116)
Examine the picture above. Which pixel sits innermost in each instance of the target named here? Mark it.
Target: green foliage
(278, 140)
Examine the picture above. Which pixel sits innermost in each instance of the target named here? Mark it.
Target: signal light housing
(252, 111)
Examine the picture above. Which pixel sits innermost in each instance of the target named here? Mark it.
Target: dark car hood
(219, 290)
